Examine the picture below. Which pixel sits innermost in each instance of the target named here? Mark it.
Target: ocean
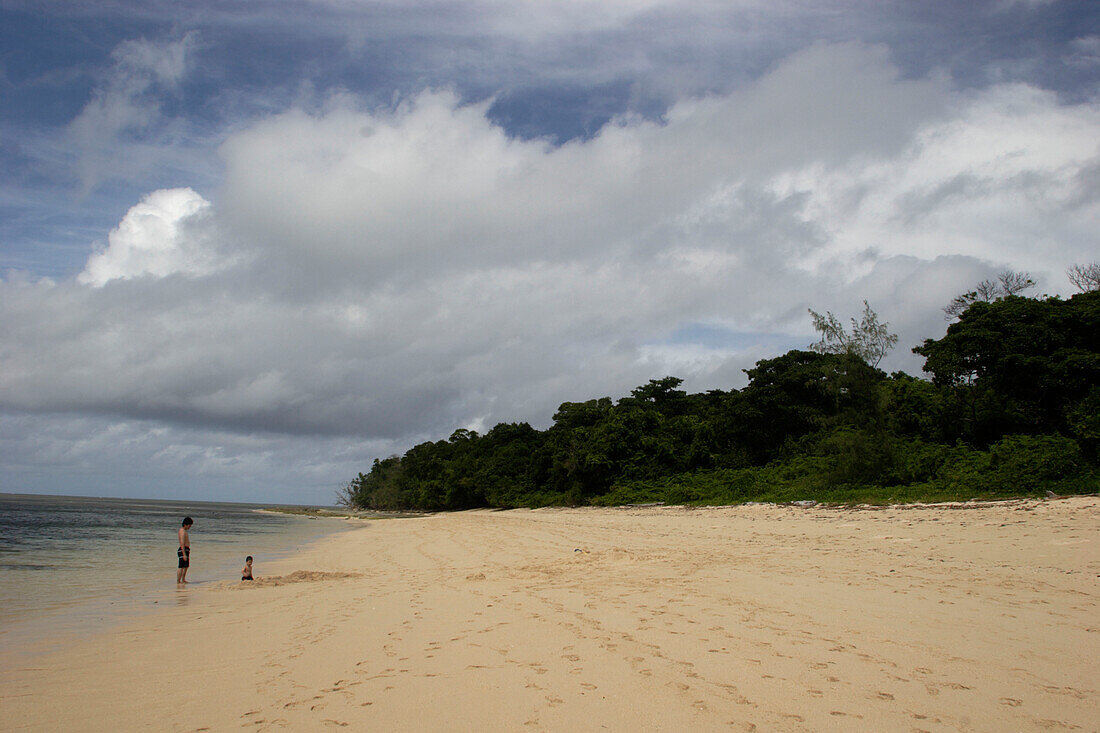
(70, 565)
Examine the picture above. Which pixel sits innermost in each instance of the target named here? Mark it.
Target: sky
(248, 247)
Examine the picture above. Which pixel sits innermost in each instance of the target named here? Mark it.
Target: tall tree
(869, 339)
(1029, 360)
(1085, 277)
(1009, 282)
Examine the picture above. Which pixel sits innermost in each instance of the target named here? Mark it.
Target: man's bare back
(184, 551)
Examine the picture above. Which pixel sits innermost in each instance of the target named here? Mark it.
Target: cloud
(1085, 51)
(434, 184)
(119, 130)
(1003, 5)
(113, 457)
(1008, 178)
(161, 236)
(375, 276)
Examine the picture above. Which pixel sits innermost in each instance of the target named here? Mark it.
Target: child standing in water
(246, 571)
(184, 551)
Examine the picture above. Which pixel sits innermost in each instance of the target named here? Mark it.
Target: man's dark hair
(248, 558)
(187, 521)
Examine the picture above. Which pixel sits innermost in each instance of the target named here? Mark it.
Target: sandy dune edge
(971, 617)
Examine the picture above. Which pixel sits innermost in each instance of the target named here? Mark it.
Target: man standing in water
(184, 551)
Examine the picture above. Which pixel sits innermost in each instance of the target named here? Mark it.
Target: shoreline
(350, 513)
(338, 513)
(34, 632)
(658, 618)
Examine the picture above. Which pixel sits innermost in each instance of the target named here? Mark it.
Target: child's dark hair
(248, 559)
(187, 521)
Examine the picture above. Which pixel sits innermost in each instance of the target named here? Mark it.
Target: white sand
(746, 618)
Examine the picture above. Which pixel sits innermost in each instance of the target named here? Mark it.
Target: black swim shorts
(184, 555)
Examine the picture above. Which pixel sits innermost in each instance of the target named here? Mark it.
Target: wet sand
(953, 617)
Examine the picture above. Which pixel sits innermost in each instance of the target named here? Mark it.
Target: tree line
(1011, 407)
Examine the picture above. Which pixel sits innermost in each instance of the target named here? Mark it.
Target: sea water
(70, 565)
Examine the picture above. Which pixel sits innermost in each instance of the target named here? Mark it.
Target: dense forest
(1011, 408)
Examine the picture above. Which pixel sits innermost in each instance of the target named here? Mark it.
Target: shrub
(1015, 465)
(1031, 463)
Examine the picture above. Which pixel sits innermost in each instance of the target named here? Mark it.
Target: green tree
(660, 392)
(795, 395)
(869, 339)
(1023, 363)
(916, 408)
(508, 469)
(825, 423)
(381, 488)
(1009, 282)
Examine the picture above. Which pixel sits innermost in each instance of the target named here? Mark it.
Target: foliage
(1011, 409)
(1019, 365)
(1007, 283)
(869, 340)
(1017, 466)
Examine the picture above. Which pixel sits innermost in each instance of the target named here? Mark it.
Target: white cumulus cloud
(163, 235)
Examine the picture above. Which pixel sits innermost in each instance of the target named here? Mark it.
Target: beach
(72, 566)
(969, 617)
